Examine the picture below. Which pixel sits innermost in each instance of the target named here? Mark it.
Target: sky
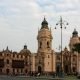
(21, 19)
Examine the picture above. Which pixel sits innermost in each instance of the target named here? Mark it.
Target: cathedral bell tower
(44, 38)
(45, 58)
(74, 39)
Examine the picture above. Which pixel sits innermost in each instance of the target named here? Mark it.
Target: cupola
(44, 24)
(75, 33)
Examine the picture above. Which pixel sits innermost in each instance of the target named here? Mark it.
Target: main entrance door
(39, 69)
(66, 69)
(58, 67)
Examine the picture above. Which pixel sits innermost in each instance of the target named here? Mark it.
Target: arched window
(58, 57)
(17, 70)
(7, 71)
(13, 70)
(40, 44)
(74, 59)
(48, 45)
(13, 55)
(21, 56)
(7, 61)
(26, 63)
(74, 69)
(48, 56)
(0, 70)
(0, 54)
(26, 70)
(17, 56)
(7, 54)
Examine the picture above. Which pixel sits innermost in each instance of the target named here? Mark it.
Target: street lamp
(61, 23)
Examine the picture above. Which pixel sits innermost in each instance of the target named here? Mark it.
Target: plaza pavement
(34, 78)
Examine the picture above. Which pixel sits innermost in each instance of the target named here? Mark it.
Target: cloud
(20, 19)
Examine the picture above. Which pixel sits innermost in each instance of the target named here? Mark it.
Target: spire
(65, 49)
(50, 29)
(44, 24)
(7, 48)
(38, 29)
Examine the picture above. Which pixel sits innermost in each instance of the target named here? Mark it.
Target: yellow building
(45, 60)
(15, 63)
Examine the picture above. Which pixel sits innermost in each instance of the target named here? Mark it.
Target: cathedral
(45, 60)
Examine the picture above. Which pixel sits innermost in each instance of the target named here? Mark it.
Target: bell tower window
(48, 45)
(40, 44)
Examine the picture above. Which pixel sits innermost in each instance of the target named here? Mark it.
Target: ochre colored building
(70, 58)
(45, 60)
(13, 63)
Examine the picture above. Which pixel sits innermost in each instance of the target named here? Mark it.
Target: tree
(77, 47)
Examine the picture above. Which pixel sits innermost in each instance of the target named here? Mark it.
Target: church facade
(45, 60)
(45, 57)
(70, 58)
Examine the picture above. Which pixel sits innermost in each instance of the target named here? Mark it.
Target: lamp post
(61, 23)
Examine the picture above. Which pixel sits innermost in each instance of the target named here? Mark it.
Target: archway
(7, 71)
(66, 69)
(74, 69)
(58, 69)
(39, 69)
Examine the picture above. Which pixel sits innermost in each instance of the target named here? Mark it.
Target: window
(74, 69)
(48, 56)
(21, 56)
(17, 70)
(79, 38)
(74, 59)
(40, 44)
(66, 58)
(39, 62)
(21, 70)
(17, 56)
(0, 70)
(7, 61)
(7, 54)
(48, 45)
(13, 55)
(26, 63)
(26, 70)
(0, 54)
(25, 56)
(48, 63)
(13, 70)
(58, 57)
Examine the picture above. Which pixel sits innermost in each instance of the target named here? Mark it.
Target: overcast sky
(20, 20)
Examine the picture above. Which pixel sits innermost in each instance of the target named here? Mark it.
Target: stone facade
(45, 60)
(70, 58)
(45, 57)
(15, 63)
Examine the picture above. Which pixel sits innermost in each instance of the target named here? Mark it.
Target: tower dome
(44, 24)
(25, 46)
(25, 51)
(75, 33)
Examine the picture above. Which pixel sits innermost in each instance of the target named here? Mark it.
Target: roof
(44, 24)
(25, 51)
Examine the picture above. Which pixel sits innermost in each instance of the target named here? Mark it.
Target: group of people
(35, 74)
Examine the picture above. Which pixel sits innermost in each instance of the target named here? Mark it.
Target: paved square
(33, 78)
